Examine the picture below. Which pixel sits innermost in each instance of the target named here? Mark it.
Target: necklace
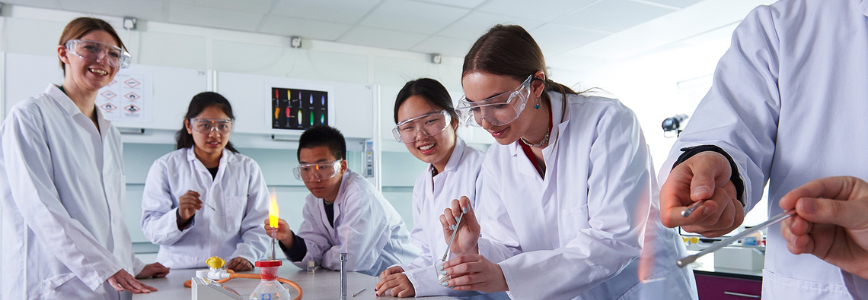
(543, 143)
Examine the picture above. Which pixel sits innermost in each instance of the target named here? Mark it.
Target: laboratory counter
(721, 283)
(321, 284)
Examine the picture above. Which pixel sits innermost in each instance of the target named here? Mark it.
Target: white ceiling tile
(413, 16)
(254, 6)
(458, 3)
(314, 29)
(555, 39)
(543, 10)
(53, 4)
(381, 38)
(213, 17)
(444, 45)
(477, 23)
(342, 11)
(675, 3)
(146, 10)
(614, 15)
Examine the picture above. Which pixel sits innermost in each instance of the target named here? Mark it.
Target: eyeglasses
(308, 172)
(95, 51)
(497, 110)
(429, 124)
(222, 126)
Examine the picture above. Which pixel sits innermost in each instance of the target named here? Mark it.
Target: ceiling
(430, 26)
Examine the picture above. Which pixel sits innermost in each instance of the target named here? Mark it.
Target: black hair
(198, 104)
(429, 89)
(323, 135)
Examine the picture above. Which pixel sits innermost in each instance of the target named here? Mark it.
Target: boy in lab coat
(344, 213)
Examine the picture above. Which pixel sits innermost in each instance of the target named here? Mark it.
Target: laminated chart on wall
(127, 98)
(298, 108)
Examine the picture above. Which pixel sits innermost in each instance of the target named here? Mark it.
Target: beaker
(269, 288)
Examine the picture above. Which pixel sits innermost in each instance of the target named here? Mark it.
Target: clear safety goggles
(205, 126)
(428, 124)
(308, 172)
(94, 51)
(497, 110)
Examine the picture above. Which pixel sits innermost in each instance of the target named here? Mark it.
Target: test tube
(343, 276)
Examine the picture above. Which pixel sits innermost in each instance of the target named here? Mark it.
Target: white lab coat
(788, 104)
(579, 232)
(366, 227)
(432, 195)
(233, 228)
(62, 186)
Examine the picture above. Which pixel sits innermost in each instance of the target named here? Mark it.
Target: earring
(536, 106)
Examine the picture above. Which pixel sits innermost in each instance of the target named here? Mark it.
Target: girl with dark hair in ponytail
(568, 206)
(205, 199)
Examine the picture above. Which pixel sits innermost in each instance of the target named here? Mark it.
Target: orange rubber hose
(232, 275)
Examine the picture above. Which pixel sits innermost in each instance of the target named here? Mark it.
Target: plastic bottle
(269, 288)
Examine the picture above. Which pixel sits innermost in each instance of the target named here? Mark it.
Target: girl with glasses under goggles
(567, 191)
(206, 199)
(426, 124)
(64, 234)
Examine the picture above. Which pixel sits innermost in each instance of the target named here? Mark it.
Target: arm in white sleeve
(740, 112)
(254, 239)
(30, 173)
(363, 233)
(315, 237)
(159, 208)
(618, 205)
(857, 286)
(419, 236)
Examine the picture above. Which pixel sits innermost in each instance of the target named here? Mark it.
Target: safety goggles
(205, 126)
(497, 110)
(428, 124)
(308, 172)
(94, 51)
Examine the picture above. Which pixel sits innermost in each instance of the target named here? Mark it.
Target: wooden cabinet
(716, 286)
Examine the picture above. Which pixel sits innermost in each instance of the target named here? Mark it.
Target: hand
(239, 264)
(830, 222)
(474, 272)
(122, 281)
(188, 204)
(284, 234)
(467, 238)
(153, 270)
(393, 278)
(705, 176)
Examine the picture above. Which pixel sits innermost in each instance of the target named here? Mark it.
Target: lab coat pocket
(233, 210)
(56, 286)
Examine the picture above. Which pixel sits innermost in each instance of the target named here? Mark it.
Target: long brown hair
(81, 26)
(509, 50)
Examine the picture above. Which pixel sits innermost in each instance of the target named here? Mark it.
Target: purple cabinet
(713, 287)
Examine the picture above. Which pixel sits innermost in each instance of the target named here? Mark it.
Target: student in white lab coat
(344, 213)
(206, 199)
(62, 182)
(567, 207)
(426, 123)
(786, 106)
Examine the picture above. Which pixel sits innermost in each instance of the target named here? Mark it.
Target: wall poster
(298, 108)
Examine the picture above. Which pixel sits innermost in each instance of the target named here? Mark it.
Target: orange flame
(273, 211)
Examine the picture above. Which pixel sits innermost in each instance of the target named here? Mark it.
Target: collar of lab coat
(558, 113)
(342, 190)
(71, 109)
(224, 158)
(454, 158)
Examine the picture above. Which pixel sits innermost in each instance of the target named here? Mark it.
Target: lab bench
(322, 284)
(717, 283)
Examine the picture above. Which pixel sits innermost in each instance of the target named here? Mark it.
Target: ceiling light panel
(413, 16)
(614, 15)
(346, 11)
